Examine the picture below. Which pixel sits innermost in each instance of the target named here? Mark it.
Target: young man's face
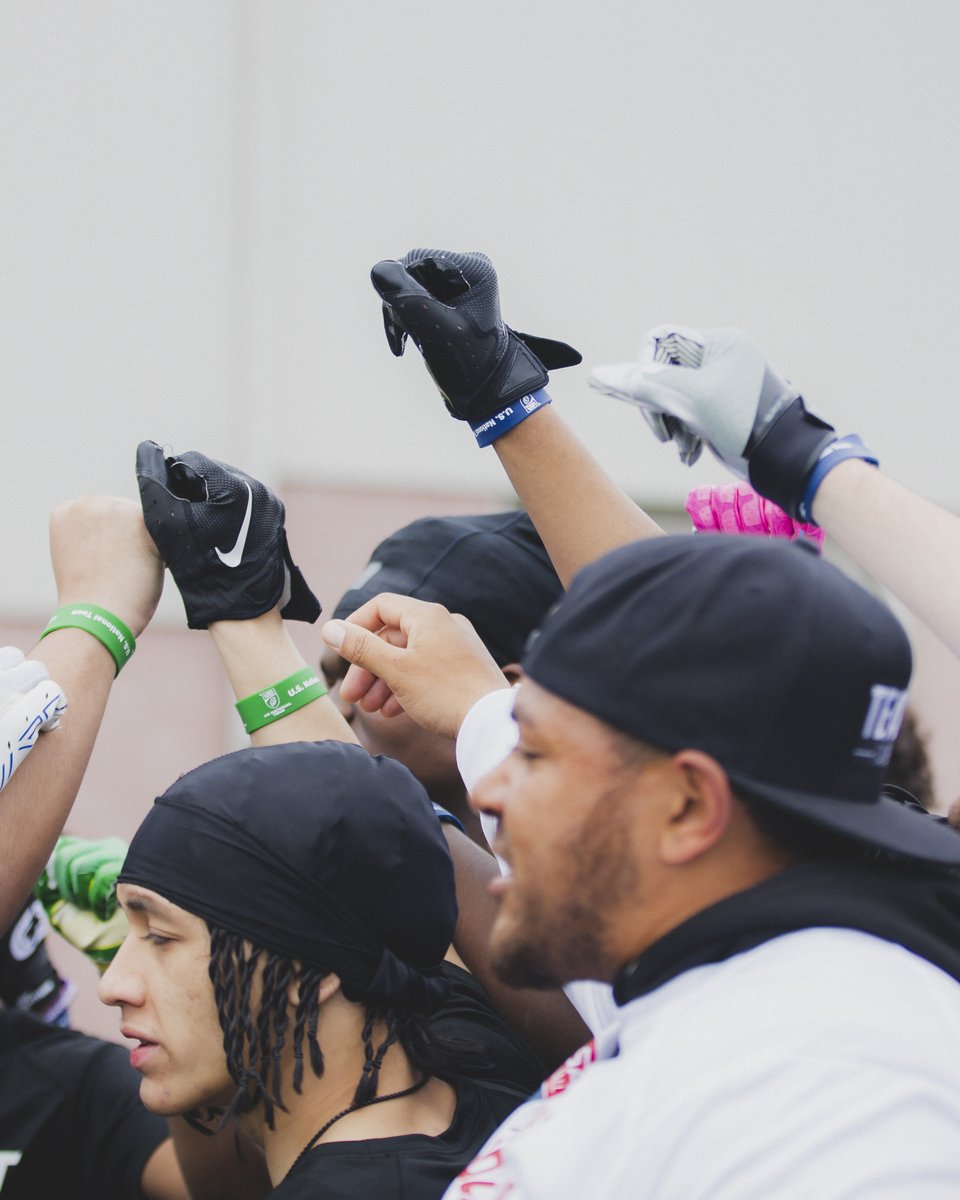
(160, 982)
(573, 817)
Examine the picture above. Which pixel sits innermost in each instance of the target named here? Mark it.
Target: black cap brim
(884, 823)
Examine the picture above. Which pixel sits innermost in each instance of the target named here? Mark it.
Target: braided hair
(253, 1041)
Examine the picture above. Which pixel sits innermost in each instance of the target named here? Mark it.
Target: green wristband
(281, 700)
(104, 626)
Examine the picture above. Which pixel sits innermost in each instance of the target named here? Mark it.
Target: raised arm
(495, 379)
(910, 545)
(102, 558)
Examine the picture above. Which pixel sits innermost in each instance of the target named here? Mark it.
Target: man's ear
(513, 673)
(700, 811)
(329, 985)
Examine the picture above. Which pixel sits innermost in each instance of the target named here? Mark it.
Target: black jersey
(416, 1166)
(71, 1121)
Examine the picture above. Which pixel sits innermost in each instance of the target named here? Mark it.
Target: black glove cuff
(518, 373)
(786, 451)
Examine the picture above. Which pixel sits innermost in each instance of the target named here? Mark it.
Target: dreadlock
(253, 1044)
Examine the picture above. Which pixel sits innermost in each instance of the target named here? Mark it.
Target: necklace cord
(354, 1107)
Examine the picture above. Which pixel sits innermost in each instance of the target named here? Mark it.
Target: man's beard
(543, 944)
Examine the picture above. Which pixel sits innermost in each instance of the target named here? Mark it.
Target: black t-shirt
(415, 1166)
(70, 1107)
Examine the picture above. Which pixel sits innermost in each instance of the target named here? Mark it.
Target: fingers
(391, 278)
(20, 678)
(373, 657)
(10, 656)
(151, 463)
(388, 610)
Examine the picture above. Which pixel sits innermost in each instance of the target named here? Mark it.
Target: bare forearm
(258, 653)
(906, 543)
(37, 801)
(579, 512)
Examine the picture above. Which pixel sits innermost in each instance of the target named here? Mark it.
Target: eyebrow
(140, 904)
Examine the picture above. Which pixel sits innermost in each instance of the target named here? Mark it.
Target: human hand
(221, 533)
(102, 555)
(30, 704)
(716, 387)
(449, 304)
(415, 657)
(737, 508)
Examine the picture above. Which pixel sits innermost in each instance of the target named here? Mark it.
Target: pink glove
(737, 508)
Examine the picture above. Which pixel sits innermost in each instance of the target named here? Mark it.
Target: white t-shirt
(821, 1065)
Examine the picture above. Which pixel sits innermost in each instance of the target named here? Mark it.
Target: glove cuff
(782, 458)
(499, 423)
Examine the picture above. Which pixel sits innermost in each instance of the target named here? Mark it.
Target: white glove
(698, 387)
(30, 704)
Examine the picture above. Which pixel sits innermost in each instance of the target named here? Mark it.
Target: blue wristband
(499, 423)
(846, 447)
(444, 815)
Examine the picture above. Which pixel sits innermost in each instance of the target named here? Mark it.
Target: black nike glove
(221, 534)
(449, 304)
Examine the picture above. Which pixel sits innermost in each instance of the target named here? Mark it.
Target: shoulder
(492, 1051)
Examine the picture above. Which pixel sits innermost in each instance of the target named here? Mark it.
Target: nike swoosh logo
(233, 558)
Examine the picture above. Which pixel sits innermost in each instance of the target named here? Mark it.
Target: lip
(140, 1054)
(134, 1035)
(499, 884)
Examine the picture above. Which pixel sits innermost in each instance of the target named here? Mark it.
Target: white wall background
(191, 196)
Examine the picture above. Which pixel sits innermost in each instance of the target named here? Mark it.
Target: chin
(519, 960)
(159, 1100)
(171, 1102)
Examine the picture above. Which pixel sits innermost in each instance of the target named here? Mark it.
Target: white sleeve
(486, 737)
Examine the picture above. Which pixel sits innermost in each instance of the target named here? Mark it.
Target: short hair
(805, 840)
(909, 765)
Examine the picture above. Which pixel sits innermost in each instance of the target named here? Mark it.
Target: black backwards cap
(758, 653)
(313, 850)
(493, 569)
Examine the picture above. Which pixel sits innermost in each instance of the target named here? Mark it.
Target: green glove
(98, 940)
(78, 890)
(83, 872)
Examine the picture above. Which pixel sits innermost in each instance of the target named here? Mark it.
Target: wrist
(496, 424)
(834, 493)
(280, 700)
(845, 449)
(99, 623)
(255, 652)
